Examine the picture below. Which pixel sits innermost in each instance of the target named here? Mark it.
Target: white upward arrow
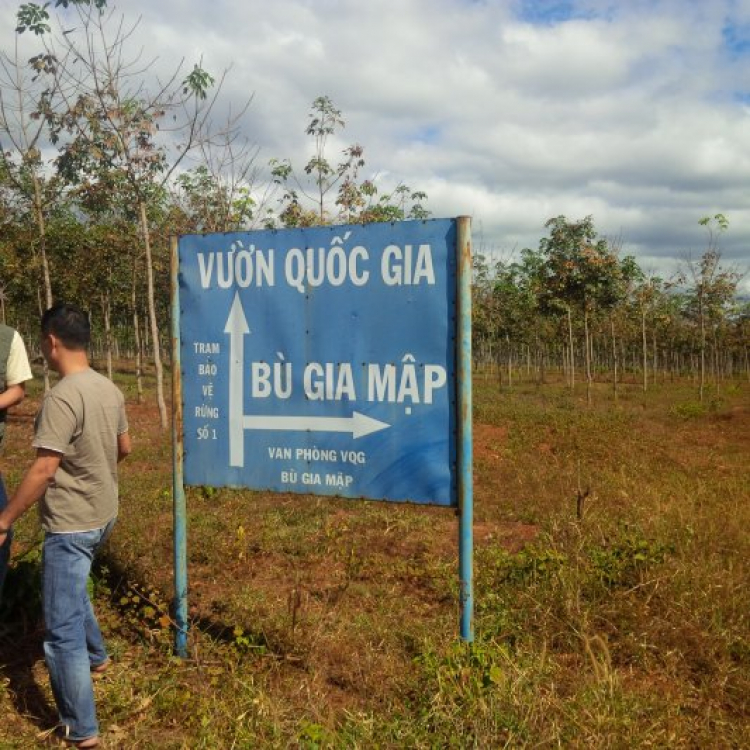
(236, 327)
(358, 424)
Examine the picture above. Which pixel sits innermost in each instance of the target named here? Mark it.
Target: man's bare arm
(34, 484)
(12, 395)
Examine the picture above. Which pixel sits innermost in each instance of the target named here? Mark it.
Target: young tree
(712, 289)
(119, 131)
(307, 201)
(579, 271)
(222, 193)
(646, 295)
(26, 89)
(628, 273)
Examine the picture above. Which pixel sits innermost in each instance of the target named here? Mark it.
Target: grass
(611, 590)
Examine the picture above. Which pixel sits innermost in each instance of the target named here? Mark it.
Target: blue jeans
(5, 548)
(73, 643)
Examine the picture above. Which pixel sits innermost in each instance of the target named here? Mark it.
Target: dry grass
(611, 589)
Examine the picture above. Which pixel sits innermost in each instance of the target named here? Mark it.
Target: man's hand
(124, 446)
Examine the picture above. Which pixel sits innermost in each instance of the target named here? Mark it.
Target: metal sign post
(465, 442)
(178, 486)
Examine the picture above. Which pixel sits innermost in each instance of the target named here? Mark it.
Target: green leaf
(496, 675)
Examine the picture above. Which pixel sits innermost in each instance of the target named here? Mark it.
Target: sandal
(84, 744)
(60, 733)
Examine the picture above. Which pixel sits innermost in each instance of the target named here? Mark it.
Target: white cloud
(634, 112)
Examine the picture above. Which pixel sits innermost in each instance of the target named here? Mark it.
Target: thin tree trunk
(46, 282)
(614, 357)
(703, 350)
(644, 343)
(152, 316)
(717, 363)
(586, 343)
(540, 349)
(137, 335)
(510, 361)
(107, 332)
(571, 362)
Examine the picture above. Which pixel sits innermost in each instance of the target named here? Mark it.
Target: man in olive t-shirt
(80, 436)
(81, 419)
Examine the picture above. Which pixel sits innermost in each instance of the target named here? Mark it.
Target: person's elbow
(124, 446)
(15, 394)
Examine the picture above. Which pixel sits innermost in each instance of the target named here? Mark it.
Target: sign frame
(463, 444)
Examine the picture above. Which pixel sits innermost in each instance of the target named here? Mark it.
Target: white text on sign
(335, 381)
(315, 267)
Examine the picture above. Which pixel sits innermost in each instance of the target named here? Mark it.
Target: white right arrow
(358, 424)
(236, 327)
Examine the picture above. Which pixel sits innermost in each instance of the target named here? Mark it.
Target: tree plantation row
(575, 306)
(102, 161)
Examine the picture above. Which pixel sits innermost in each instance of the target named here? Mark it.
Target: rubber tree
(483, 316)
(620, 290)
(646, 295)
(332, 193)
(28, 87)
(121, 127)
(515, 306)
(711, 289)
(578, 272)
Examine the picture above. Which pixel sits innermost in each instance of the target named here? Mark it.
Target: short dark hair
(69, 323)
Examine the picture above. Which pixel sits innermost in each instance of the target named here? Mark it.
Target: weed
(623, 561)
(246, 643)
(313, 736)
(22, 593)
(689, 410)
(144, 609)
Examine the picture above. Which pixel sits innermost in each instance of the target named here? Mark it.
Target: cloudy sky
(636, 112)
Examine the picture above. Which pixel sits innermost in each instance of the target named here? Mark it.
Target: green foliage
(144, 609)
(625, 560)
(198, 82)
(246, 643)
(98, 4)
(33, 17)
(466, 670)
(471, 692)
(312, 736)
(576, 299)
(689, 410)
(22, 592)
(209, 204)
(577, 269)
(307, 201)
(532, 563)
(719, 220)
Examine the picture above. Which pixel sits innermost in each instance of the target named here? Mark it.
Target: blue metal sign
(322, 360)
